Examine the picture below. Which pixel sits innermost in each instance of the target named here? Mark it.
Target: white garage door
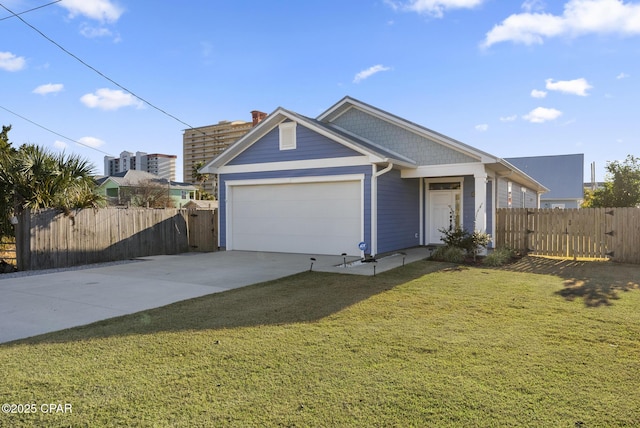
(308, 218)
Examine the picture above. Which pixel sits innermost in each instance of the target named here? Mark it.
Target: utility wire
(30, 10)
(54, 132)
(95, 69)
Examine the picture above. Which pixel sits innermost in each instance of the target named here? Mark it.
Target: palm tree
(37, 178)
(200, 178)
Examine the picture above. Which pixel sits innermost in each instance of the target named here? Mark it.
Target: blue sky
(513, 78)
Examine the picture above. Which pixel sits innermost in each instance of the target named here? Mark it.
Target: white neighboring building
(158, 164)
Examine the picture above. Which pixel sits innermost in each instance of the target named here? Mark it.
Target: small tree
(148, 193)
(6, 202)
(200, 179)
(621, 188)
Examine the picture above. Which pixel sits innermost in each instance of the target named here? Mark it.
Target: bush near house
(460, 243)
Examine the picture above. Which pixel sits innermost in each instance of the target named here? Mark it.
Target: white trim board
(293, 165)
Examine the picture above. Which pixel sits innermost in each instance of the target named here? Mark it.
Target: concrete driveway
(46, 302)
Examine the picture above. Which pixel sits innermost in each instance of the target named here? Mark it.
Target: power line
(95, 69)
(54, 132)
(30, 10)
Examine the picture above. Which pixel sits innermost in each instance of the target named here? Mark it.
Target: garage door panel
(317, 218)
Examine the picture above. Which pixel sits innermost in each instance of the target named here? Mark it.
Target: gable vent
(287, 135)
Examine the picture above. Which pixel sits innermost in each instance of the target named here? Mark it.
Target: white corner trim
(293, 165)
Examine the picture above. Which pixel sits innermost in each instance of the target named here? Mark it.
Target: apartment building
(158, 164)
(202, 144)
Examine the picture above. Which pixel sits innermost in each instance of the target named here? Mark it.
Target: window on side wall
(288, 135)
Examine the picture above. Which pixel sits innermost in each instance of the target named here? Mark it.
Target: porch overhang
(447, 170)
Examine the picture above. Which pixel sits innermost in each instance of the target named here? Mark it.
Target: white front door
(444, 212)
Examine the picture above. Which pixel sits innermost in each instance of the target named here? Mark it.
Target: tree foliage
(148, 193)
(32, 177)
(201, 178)
(621, 188)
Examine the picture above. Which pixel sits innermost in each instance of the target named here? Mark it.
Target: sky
(511, 78)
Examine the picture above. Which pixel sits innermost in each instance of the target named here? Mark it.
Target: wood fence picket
(49, 239)
(594, 233)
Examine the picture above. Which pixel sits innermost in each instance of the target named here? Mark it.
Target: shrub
(469, 242)
(499, 257)
(449, 254)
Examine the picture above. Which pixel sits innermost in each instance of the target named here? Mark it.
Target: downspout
(374, 205)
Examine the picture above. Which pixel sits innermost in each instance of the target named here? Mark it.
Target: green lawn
(423, 345)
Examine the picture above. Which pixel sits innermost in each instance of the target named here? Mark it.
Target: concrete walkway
(45, 302)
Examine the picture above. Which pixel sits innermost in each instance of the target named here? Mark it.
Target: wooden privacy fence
(49, 239)
(596, 233)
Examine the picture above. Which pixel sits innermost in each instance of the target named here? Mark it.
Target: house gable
(309, 145)
(423, 150)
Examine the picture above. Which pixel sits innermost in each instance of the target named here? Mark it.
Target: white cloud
(575, 87)
(578, 18)
(433, 8)
(99, 10)
(482, 127)
(509, 118)
(542, 114)
(91, 141)
(365, 74)
(538, 94)
(10, 62)
(622, 76)
(91, 32)
(110, 99)
(49, 88)
(60, 145)
(533, 5)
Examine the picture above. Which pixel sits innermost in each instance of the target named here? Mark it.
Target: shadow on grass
(597, 283)
(304, 297)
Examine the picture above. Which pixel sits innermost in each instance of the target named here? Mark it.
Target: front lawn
(541, 343)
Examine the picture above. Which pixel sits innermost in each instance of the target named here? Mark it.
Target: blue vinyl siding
(310, 145)
(468, 203)
(398, 212)
(315, 172)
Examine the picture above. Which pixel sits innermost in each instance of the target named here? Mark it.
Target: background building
(563, 175)
(202, 144)
(161, 165)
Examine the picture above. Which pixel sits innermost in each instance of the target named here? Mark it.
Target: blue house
(356, 174)
(562, 174)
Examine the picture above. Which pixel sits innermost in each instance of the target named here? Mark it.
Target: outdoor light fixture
(403, 256)
(344, 259)
(313, 259)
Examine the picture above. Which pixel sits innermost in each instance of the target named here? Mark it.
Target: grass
(541, 343)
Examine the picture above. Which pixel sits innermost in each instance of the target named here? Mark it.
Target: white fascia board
(456, 169)
(294, 180)
(293, 165)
